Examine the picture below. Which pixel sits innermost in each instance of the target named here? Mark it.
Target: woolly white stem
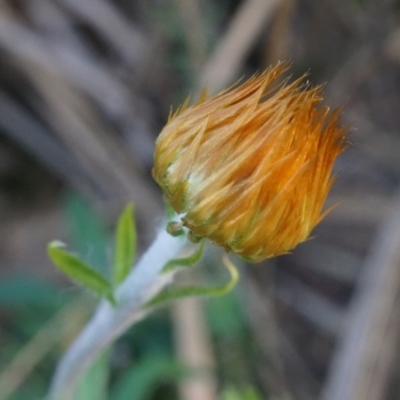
(108, 323)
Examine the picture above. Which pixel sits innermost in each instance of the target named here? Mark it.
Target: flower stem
(109, 322)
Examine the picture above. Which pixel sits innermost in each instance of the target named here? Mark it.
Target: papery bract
(250, 168)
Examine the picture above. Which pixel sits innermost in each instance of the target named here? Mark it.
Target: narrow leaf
(78, 270)
(186, 261)
(199, 291)
(125, 244)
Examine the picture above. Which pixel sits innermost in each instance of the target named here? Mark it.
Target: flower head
(250, 168)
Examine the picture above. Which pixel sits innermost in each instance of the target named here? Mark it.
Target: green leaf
(79, 271)
(185, 261)
(199, 291)
(125, 244)
(94, 384)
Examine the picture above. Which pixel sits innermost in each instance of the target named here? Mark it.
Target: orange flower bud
(250, 168)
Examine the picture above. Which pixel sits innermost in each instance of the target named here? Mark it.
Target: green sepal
(79, 271)
(198, 291)
(185, 261)
(175, 228)
(125, 245)
(194, 238)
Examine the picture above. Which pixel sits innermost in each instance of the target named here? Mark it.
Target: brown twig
(194, 349)
(229, 55)
(363, 362)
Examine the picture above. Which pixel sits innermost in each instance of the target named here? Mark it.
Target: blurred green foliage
(140, 382)
(235, 394)
(94, 385)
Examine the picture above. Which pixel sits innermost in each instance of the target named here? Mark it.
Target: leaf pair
(86, 275)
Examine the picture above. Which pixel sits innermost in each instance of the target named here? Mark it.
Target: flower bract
(250, 168)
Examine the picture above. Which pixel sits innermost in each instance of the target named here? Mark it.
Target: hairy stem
(108, 323)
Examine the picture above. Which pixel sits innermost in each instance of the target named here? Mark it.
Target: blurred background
(85, 87)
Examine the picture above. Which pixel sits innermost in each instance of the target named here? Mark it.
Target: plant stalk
(109, 322)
